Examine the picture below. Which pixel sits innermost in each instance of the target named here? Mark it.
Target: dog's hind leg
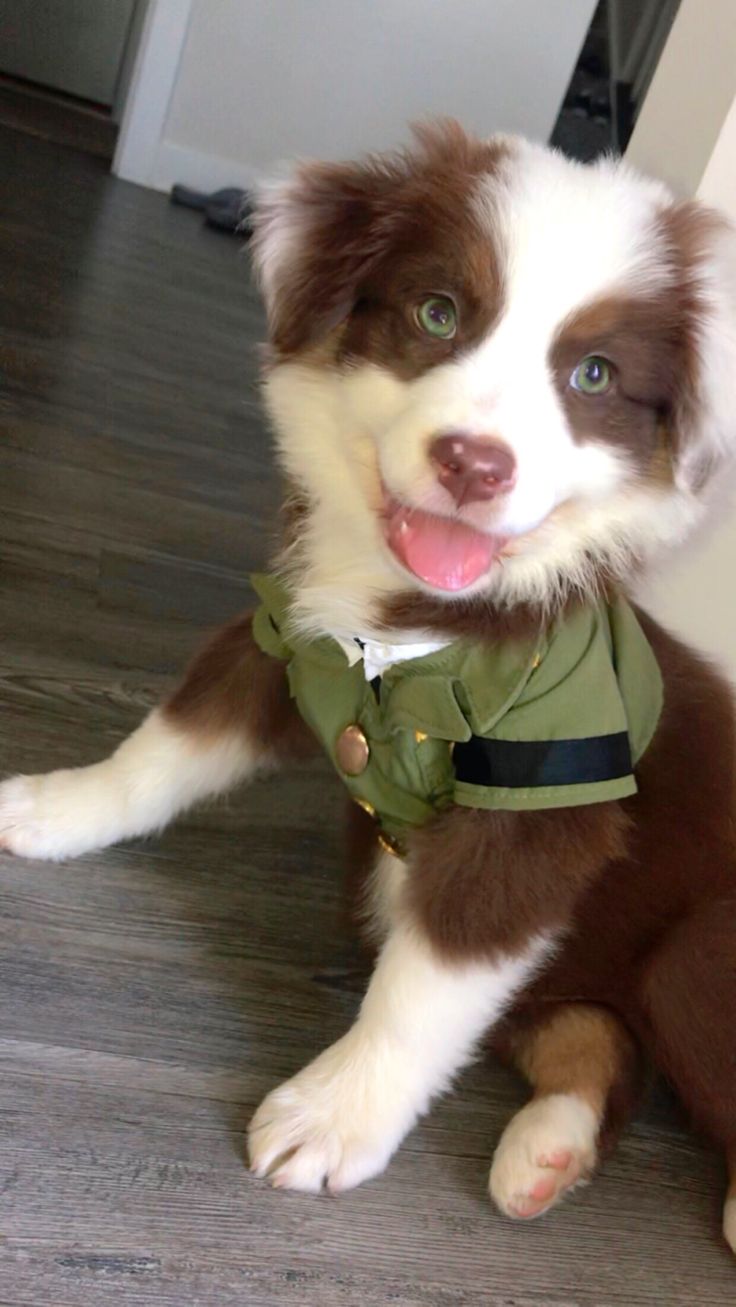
(689, 999)
(584, 1069)
(231, 716)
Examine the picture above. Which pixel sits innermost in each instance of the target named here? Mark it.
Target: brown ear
(316, 236)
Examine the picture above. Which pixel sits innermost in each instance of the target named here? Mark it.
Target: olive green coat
(553, 721)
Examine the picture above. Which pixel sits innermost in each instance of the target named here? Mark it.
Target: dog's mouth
(442, 551)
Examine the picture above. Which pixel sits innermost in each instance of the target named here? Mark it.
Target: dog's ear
(703, 243)
(316, 235)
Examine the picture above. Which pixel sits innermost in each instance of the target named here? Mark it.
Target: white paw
(332, 1126)
(53, 816)
(546, 1149)
(21, 825)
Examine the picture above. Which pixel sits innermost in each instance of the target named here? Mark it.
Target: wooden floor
(150, 995)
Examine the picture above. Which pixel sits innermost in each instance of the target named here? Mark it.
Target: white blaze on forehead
(568, 233)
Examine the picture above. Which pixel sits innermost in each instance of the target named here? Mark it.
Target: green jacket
(554, 721)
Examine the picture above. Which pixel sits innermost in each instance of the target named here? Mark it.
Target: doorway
(611, 78)
(65, 66)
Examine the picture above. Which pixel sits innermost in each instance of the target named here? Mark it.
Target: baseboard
(204, 172)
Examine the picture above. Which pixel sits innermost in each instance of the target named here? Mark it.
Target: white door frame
(688, 138)
(157, 60)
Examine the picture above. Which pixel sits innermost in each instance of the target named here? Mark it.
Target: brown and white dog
(571, 332)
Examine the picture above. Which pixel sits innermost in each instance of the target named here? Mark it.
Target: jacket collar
(451, 692)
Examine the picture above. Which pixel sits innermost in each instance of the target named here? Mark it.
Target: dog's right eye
(437, 316)
(593, 376)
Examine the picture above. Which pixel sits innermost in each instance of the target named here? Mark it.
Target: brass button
(365, 805)
(389, 844)
(420, 736)
(352, 751)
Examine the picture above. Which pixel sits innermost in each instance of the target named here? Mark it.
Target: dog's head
(493, 373)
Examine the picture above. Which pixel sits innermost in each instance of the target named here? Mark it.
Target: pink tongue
(446, 554)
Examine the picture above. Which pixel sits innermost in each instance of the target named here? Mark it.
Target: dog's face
(494, 371)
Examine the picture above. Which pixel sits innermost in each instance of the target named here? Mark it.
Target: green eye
(437, 316)
(593, 376)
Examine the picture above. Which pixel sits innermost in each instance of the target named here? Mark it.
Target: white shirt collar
(377, 657)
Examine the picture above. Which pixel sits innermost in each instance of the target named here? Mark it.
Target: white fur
(154, 774)
(535, 1148)
(278, 233)
(340, 1119)
(566, 234)
(711, 443)
(382, 905)
(571, 232)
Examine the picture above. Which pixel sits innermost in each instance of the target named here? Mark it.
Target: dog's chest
(558, 719)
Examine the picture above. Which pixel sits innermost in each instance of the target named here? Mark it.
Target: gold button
(420, 736)
(352, 751)
(365, 805)
(389, 844)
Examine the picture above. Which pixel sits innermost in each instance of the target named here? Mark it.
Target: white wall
(264, 80)
(718, 184)
(686, 134)
(690, 95)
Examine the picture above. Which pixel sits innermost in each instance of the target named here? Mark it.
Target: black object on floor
(229, 208)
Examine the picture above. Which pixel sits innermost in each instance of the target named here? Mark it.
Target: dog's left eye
(593, 376)
(437, 316)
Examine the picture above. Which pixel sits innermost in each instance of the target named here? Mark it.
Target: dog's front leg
(339, 1120)
(476, 910)
(231, 716)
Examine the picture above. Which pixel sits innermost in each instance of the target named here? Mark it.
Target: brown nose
(472, 467)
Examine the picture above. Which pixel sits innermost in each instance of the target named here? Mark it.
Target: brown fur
(652, 340)
(646, 889)
(654, 936)
(476, 619)
(646, 342)
(437, 246)
(233, 686)
(483, 882)
(377, 238)
(480, 619)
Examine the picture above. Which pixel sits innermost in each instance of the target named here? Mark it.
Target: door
(75, 46)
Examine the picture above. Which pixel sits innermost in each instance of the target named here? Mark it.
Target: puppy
(501, 383)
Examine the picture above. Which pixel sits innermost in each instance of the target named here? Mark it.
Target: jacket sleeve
(565, 740)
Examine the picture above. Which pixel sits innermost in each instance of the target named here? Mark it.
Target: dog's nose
(472, 467)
